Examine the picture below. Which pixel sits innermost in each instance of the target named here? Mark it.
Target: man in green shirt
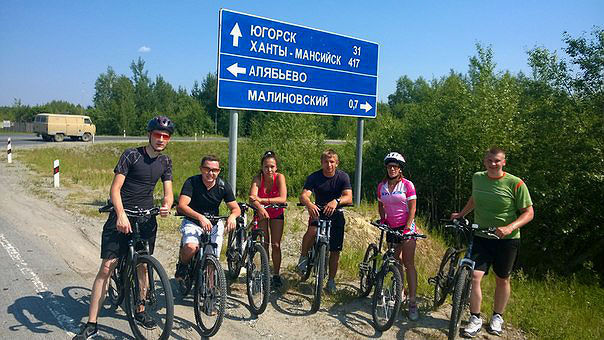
(499, 200)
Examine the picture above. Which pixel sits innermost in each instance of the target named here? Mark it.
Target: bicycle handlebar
(138, 212)
(464, 225)
(245, 206)
(321, 207)
(387, 229)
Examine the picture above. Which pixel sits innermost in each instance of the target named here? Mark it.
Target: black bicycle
(455, 275)
(206, 274)
(388, 280)
(140, 280)
(318, 255)
(246, 248)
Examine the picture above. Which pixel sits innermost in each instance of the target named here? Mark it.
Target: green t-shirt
(497, 202)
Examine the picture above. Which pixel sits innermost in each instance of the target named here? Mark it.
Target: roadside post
(56, 173)
(196, 136)
(270, 65)
(124, 133)
(9, 151)
(234, 119)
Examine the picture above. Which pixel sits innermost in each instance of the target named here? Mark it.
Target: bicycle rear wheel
(319, 277)
(210, 296)
(157, 300)
(444, 279)
(258, 279)
(461, 292)
(233, 257)
(387, 297)
(366, 270)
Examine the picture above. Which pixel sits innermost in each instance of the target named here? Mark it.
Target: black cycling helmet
(394, 157)
(161, 123)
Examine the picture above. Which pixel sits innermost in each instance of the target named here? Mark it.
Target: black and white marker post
(56, 173)
(9, 151)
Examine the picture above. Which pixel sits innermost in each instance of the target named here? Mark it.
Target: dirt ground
(76, 237)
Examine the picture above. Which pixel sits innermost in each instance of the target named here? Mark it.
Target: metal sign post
(359, 162)
(233, 151)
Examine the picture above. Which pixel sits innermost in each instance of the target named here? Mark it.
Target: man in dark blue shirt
(331, 188)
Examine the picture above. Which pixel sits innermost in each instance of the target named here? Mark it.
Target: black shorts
(336, 235)
(115, 244)
(391, 238)
(499, 253)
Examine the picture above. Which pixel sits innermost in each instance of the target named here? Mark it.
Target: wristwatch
(338, 201)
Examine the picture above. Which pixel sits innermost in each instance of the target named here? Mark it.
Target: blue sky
(56, 49)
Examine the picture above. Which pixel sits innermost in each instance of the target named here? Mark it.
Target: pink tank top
(272, 212)
(396, 203)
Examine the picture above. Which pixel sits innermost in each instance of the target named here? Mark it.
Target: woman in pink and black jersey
(269, 187)
(396, 205)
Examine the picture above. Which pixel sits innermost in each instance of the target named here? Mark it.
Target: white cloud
(144, 49)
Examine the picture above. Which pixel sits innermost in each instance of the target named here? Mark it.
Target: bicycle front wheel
(461, 292)
(319, 277)
(114, 288)
(258, 279)
(387, 297)
(366, 270)
(149, 292)
(444, 278)
(210, 296)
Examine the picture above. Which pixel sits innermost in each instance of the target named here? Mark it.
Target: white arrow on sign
(236, 33)
(235, 69)
(366, 107)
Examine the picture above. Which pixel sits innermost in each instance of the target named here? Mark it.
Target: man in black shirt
(331, 188)
(136, 174)
(202, 194)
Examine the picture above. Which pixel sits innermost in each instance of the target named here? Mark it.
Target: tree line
(551, 122)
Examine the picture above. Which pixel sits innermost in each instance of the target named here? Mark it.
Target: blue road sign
(269, 65)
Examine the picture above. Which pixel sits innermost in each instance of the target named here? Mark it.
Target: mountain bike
(387, 279)
(246, 248)
(457, 277)
(318, 255)
(140, 280)
(206, 274)
(445, 278)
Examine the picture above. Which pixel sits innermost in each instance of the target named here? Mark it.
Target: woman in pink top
(269, 187)
(396, 205)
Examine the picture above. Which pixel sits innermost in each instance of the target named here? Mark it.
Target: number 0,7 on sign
(270, 65)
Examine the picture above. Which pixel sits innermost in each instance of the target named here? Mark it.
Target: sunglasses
(205, 169)
(159, 135)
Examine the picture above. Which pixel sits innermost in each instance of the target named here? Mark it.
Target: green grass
(544, 308)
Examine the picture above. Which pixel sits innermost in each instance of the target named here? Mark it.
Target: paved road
(33, 141)
(26, 140)
(42, 297)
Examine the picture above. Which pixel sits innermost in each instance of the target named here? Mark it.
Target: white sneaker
(473, 327)
(331, 287)
(302, 264)
(413, 312)
(496, 325)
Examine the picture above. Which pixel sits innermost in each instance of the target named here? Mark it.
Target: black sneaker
(181, 271)
(145, 320)
(88, 332)
(277, 283)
